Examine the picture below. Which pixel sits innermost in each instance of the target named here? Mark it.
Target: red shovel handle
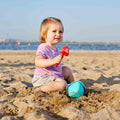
(57, 65)
(65, 52)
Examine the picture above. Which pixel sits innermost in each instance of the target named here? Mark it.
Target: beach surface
(98, 70)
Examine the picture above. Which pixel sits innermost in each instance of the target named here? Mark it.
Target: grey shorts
(42, 80)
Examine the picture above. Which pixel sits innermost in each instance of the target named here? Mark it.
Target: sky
(83, 20)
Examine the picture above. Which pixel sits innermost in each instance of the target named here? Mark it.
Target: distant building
(1, 40)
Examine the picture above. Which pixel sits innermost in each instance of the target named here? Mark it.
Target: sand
(98, 70)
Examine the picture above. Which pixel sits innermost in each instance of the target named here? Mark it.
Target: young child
(48, 77)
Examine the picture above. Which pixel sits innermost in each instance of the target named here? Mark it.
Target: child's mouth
(57, 38)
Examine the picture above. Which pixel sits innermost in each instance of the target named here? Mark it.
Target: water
(33, 46)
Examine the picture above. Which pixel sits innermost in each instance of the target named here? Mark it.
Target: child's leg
(57, 85)
(67, 73)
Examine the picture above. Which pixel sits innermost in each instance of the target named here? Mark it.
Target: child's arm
(43, 63)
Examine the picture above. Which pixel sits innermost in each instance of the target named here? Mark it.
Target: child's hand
(57, 59)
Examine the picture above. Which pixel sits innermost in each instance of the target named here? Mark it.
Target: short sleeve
(41, 51)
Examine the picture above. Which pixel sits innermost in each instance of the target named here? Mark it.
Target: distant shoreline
(96, 43)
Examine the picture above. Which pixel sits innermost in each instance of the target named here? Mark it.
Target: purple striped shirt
(48, 53)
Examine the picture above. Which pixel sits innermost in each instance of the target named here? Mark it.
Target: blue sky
(83, 20)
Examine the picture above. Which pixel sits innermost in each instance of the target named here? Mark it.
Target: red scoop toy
(65, 52)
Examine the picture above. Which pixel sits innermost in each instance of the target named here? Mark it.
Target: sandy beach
(98, 70)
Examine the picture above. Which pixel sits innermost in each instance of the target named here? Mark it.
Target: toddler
(48, 77)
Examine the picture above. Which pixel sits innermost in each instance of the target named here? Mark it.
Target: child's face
(54, 34)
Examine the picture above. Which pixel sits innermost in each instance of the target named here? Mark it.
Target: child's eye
(61, 32)
(54, 30)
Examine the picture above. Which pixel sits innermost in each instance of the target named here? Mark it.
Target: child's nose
(58, 33)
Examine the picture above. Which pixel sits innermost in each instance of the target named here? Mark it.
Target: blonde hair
(45, 26)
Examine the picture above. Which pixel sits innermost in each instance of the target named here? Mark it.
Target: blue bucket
(76, 89)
